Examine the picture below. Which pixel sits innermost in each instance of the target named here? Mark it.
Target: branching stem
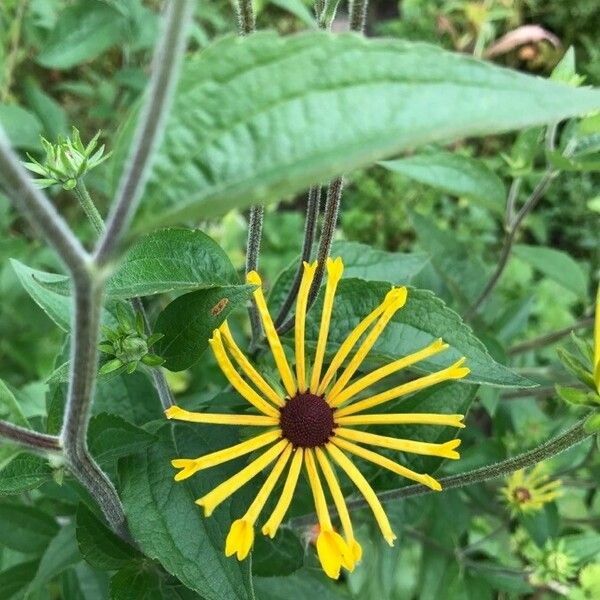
(39, 442)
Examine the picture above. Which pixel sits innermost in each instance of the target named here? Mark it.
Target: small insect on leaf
(219, 307)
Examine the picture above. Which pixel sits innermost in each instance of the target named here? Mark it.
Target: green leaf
(83, 32)
(556, 265)
(454, 174)
(592, 425)
(22, 128)
(16, 578)
(577, 396)
(25, 528)
(51, 114)
(111, 437)
(235, 138)
(23, 473)
(307, 583)
(423, 319)
(460, 269)
(576, 367)
(281, 556)
(99, 546)
(136, 583)
(10, 411)
(169, 527)
(189, 321)
(170, 260)
(60, 554)
(51, 292)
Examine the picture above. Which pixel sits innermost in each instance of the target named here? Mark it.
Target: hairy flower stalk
(316, 423)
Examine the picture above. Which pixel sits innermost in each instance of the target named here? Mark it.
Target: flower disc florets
(306, 420)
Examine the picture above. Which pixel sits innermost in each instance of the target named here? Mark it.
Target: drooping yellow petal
(239, 539)
(272, 337)
(366, 490)
(354, 336)
(255, 377)
(272, 524)
(235, 378)
(445, 450)
(456, 371)
(317, 490)
(211, 500)
(193, 465)
(267, 487)
(301, 306)
(335, 268)
(335, 399)
(179, 414)
(340, 505)
(597, 342)
(373, 335)
(401, 419)
(386, 463)
(333, 553)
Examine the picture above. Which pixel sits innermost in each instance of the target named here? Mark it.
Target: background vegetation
(85, 63)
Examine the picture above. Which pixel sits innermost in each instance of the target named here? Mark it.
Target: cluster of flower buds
(67, 160)
(128, 344)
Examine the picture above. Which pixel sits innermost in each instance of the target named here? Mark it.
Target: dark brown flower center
(307, 420)
(521, 495)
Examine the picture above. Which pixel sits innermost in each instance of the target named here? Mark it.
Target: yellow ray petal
(317, 490)
(396, 304)
(366, 490)
(333, 553)
(445, 450)
(353, 337)
(239, 539)
(335, 399)
(272, 524)
(235, 378)
(386, 463)
(274, 342)
(402, 419)
(255, 377)
(179, 414)
(335, 268)
(456, 371)
(190, 466)
(340, 505)
(211, 500)
(267, 487)
(301, 305)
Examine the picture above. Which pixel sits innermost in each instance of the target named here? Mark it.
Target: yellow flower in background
(529, 492)
(316, 424)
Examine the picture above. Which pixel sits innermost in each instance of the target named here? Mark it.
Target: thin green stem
(358, 15)
(245, 15)
(89, 208)
(552, 447)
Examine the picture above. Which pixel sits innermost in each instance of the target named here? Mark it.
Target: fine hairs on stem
(87, 272)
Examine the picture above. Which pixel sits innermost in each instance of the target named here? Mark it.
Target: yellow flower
(314, 425)
(529, 492)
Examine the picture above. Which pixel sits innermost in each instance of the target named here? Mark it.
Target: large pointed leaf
(257, 118)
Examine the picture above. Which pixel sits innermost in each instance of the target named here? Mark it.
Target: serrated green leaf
(23, 473)
(454, 174)
(170, 260)
(111, 437)
(247, 140)
(360, 261)
(189, 321)
(169, 528)
(26, 528)
(281, 556)
(99, 546)
(556, 265)
(423, 319)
